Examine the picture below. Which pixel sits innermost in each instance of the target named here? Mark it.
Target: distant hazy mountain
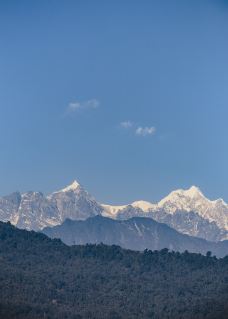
(136, 233)
(187, 211)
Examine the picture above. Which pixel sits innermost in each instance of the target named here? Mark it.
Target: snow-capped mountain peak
(144, 205)
(183, 199)
(193, 191)
(70, 188)
(220, 201)
(180, 199)
(187, 210)
(111, 210)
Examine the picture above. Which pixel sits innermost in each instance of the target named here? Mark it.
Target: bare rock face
(75, 202)
(187, 211)
(34, 210)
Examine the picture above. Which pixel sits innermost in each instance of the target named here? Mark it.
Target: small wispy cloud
(126, 124)
(144, 131)
(138, 130)
(77, 105)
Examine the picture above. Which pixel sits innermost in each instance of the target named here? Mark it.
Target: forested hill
(43, 278)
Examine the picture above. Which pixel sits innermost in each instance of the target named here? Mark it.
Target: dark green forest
(44, 278)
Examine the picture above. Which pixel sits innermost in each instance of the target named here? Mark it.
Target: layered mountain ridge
(136, 233)
(187, 211)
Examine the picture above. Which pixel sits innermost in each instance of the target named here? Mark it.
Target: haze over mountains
(137, 233)
(187, 211)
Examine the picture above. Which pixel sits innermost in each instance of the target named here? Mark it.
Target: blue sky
(128, 97)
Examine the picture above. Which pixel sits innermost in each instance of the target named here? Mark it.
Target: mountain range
(187, 211)
(137, 233)
(34, 210)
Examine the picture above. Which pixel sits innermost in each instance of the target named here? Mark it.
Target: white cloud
(144, 131)
(126, 124)
(139, 130)
(73, 106)
(89, 104)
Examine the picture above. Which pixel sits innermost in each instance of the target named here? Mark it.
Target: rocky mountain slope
(187, 211)
(34, 210)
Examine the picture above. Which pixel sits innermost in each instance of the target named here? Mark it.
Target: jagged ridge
(188, 211)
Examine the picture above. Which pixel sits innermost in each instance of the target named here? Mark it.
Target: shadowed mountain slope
(137, 233)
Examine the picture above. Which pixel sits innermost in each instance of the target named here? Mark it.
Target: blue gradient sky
(161, 64)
